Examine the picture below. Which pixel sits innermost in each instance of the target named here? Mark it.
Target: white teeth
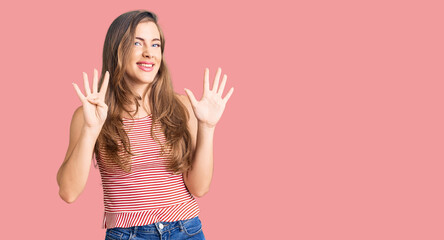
(145, 65)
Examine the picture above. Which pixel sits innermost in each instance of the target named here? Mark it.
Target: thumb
(102, 104)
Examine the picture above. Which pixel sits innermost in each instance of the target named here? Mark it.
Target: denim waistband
(158, 227)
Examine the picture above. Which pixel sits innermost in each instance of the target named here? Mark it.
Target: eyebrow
(154, 39)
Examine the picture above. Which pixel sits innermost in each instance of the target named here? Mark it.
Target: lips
(145, 66)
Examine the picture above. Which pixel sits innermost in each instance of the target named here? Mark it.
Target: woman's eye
(158, 45)
(138, 43)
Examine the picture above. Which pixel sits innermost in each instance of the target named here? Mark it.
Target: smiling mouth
(146, 67)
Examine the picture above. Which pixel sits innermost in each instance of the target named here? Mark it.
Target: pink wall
(334, 131)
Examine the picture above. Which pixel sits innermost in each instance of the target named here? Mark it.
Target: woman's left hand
(210, 108)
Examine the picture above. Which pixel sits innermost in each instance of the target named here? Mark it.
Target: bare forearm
(73, 174)
(199, 178)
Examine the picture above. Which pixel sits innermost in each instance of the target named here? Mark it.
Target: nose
(147, 54)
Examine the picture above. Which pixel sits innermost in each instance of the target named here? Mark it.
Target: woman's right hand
(94, 108)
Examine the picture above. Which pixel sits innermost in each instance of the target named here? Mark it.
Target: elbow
(62, 193)
(68, 198)
(197, 188)
(200, 193)
(67, 193)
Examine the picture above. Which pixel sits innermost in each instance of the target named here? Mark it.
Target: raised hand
(211, 106)
(94, 108)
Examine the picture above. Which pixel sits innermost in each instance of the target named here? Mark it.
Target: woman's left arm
(204, 115)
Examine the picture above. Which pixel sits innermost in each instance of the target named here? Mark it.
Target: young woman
(154, 148)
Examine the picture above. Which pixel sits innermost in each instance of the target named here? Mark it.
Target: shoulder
(78, 113)
(192, 120)
(185, 101)
(77, 118)
(183, 98)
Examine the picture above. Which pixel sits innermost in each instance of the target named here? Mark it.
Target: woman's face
(146, 55)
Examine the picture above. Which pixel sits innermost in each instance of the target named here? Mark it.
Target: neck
(144, 106)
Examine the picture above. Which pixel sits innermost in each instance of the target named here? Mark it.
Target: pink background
(334, 131)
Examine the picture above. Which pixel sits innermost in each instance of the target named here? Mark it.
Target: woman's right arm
(86, 124)
(74, 171)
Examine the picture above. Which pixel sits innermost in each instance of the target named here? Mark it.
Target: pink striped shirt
(150, 193)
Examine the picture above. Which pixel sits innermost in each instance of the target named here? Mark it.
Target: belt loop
(181, 225)
(134, 232)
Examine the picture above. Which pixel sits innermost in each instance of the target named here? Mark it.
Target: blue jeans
(183, 229)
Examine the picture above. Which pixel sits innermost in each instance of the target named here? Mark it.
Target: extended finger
(206, 81)
(79, 93)
(222, 85)
(191, 97)
(95, 81)
(86, 84)
(216, 80)
(104, 86)
(228, 95)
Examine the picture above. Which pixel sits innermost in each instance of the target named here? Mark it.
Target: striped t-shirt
(150, 193)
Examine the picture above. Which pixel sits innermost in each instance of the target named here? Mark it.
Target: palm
(211, 106)
(95, 110)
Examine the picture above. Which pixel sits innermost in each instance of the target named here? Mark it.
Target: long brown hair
(167, 111)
